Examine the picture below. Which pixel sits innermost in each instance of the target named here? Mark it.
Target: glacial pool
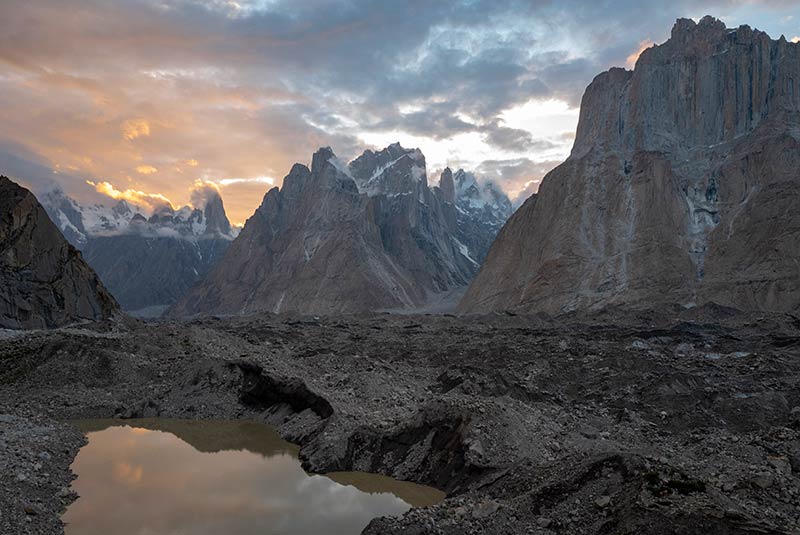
(181, 477)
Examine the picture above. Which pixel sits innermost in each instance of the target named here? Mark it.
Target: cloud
(202, 191)
(134, 128)
(512, 139)
(519, 177)
(148, 201)
(255, 180)
(630, 62)
(146, 170)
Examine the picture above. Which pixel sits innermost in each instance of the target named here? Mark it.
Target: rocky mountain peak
(122, 208)
(392, 171)
(80, 223)
(216, 219)
(708, 28)
(321, 159)
(327, 173)
(447, 185)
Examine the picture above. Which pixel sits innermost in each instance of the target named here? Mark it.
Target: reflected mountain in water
(208, 436)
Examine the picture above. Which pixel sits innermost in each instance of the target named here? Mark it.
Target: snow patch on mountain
(341, 167)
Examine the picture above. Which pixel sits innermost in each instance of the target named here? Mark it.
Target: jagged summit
(44, 281)
(447, 185)
(391, 171)
(81, 223)
(685, 30)
(322, 158)
(672, 189)
(217, 222)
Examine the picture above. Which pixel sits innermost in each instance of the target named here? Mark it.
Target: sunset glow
(142, 98)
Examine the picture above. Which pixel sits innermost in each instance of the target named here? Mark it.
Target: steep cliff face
(678, 189)
(44, 281)
(361, 237)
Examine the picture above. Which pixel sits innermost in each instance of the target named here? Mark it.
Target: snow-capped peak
(391, 171)
(480, 199)
(79, 223)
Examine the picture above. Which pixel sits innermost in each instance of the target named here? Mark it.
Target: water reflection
(174, 477)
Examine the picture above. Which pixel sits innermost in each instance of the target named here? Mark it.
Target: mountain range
(354, 237)
(147, 262)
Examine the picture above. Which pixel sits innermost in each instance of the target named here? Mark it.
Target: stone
(485, 509)
(794, 416)
(781, 464)
(794, 461)
(30, 509)
(763, 480)
(681, 188)
(603, 501)
(543, 522)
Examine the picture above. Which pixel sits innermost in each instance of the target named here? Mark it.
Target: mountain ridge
(147, 261)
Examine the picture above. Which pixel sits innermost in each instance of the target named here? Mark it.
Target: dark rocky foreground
(681, 423)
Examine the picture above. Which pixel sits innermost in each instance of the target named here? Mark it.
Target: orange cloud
(201, 191)
(134, 128)
(201, 184)
(191, 162)
(149, 201)
(643, 45)
(796, 39)
(127, 473)
(146, 170)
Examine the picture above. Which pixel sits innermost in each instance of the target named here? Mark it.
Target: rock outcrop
(682, 187)
(367, 236)
(44, 281)
(148, 263)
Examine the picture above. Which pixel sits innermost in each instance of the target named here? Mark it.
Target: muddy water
(176, 477)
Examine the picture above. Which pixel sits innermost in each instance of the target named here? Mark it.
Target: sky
(164, 100)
